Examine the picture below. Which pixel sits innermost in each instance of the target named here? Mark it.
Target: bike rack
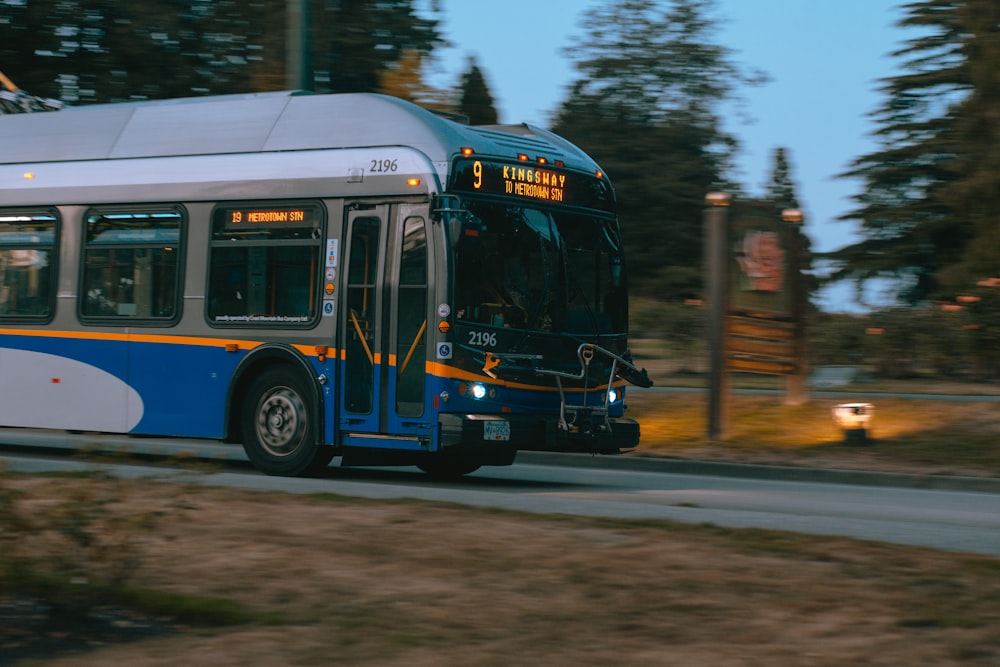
(583, 417)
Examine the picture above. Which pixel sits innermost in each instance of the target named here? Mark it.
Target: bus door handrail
(361, 335)
(413, 347)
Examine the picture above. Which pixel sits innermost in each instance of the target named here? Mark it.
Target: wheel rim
(280, 421)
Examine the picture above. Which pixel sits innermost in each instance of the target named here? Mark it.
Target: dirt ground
(349, 582)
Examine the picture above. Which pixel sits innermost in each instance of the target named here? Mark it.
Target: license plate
(496, 430)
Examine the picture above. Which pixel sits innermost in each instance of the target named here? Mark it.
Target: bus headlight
(612, 395)
(478, 391)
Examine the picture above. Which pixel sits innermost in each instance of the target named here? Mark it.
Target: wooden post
(717, 269)
(796, 389)
(298, 51)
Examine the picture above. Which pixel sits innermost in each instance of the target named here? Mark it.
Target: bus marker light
(321, 351)
(413, 182)
(542, 160)
(522, 157)
(29, 176)
(232, 347)
(466, 152)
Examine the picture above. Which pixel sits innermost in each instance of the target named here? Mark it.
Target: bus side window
(131, 264)
(264, 267)
(28, 241)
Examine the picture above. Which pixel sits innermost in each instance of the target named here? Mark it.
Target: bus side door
(384, 327)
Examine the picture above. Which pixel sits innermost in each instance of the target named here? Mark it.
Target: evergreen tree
(87, 51)
(782, 191)
(647, 107)
(476, 102)
(910, 225)
(405, 79)
(358, 39)
(975, 195)
(781, 188)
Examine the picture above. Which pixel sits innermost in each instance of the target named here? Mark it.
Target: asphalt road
(889, 508)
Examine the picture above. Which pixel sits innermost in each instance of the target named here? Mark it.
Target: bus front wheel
(278, 430)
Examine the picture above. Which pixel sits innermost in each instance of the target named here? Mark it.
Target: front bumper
(539, 433)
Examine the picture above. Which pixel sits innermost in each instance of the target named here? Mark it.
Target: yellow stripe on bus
(201, 341)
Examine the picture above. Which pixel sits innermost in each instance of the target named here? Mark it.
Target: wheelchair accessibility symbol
(444, 350)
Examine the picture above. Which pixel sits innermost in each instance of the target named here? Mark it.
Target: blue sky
(824, 59)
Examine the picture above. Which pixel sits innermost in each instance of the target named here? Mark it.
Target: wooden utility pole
(796, 387)
(298, 50)
(717, 267)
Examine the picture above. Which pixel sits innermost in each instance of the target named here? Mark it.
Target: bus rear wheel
(278, 428)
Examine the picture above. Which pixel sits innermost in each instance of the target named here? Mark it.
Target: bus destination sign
(241, 218)
(522, 180)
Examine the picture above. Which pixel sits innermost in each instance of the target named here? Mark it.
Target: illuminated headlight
(478, 391)
(612, 395)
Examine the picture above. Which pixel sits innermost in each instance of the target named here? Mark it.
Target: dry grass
(925, 436)
(379, 583)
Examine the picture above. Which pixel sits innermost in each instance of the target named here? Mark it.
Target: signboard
(763, 326)
(531, 182)
(761, 266)
(283, 216)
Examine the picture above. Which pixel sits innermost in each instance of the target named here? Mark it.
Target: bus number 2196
(384, 166)
(483, 338)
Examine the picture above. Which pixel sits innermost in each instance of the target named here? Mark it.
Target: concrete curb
(28, 439)
(769, 472)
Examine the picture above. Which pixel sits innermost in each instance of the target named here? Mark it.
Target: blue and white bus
(311, 276)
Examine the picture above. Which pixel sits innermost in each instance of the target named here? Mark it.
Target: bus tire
(278, 427)
(445, 466)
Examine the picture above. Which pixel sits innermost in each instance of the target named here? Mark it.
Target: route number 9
(477, 171)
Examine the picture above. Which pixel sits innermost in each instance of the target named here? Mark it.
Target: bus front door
(383, 320)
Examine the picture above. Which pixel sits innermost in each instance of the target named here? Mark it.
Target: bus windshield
(528, 268)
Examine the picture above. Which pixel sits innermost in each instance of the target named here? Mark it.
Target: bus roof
(264, 122)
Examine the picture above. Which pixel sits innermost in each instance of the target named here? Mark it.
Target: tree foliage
(406, 80)
(357, 39)
(84, 51)
(646, 106)
(475, 100)
(975, 195)
(930, 199)
(781, 191)
(87, 51)
(781, 188)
